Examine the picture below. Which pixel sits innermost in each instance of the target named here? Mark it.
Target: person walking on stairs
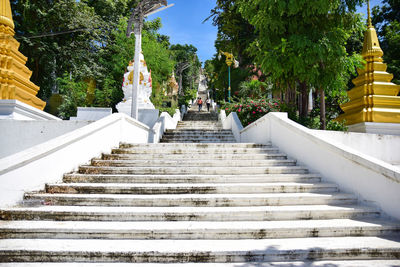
(200, 103)
(208, 102)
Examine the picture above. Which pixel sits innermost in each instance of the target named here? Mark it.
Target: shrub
(250, 110)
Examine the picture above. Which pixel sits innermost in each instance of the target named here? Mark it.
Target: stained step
(191, 162)
(192, 170)
(194, 157)
(192, 200)
(335, 263)
(162, 179)
(174, 251)
(197, 146)
(189, 150)
(198, 141)
(253, 213)
(237, 188)
(197, 230)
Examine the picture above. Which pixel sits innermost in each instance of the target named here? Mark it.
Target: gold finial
(369, 16)
(371, 43)
(5, 14)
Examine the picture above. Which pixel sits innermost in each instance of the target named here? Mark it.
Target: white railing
(165, 122)
(374, 181)
(32, 168)
(233, 123)
(47, 162)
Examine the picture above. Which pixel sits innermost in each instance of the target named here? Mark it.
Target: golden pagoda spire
(5, 14)
(371, 45)
(374, 97)
(14, 75)
(369, 16)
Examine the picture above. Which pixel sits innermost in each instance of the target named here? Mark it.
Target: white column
(136, 66)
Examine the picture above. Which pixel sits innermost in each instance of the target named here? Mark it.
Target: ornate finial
(369, 16)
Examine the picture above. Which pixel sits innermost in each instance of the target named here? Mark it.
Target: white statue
(145, 88)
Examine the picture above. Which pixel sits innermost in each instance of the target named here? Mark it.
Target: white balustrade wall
(46, 162)
(373, 180)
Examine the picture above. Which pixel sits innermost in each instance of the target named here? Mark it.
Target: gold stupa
(374, 97)
(14, 75)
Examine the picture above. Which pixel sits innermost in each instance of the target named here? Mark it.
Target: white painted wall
(383, 147)
(19, 135)
(374, 181)
(47, 162)
(164, 122)
(232, 122)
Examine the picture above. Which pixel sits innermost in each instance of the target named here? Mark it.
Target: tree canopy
(79, 50)
(295, 46)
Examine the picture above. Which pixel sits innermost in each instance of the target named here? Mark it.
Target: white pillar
(136, 66)
(310, 101)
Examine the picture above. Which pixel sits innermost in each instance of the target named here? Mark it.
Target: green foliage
(74, 94)
(291, 48)
(87, 39)
(187, 97)
(170, 110)
(186, 54)
(50, 56)
(387, 20)
(250, 110)
(253, 88)
(337, 126)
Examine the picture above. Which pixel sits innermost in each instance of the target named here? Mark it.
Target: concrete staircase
(199, 127)
(222, 203)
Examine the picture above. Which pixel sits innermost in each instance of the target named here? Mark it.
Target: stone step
(197, 146)
(220, 131)
(198, 137)
(194, 157)
(212, 188)
(181, 251)
(196, 125)
(196, 230)
(192, 170)
(251, 213)
(190, 162)
(198, 141)
(194, 121)
(162, 179)
(181, 149)
(192, 200)
(199, 124)
(331, 263)
(194, 134)
(199, 127)
(207, 127)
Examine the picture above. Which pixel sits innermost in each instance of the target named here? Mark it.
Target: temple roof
(5, 14)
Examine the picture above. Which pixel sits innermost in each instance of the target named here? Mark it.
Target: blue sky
(183, 23)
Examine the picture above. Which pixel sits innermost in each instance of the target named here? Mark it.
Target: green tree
(58, 37)
(303, 42)
(186, 54)
(387, 20)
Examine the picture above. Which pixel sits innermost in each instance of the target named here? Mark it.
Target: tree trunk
(290, 95)
(322, 109)
(303, 107)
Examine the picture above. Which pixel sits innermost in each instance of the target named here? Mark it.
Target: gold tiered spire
(374, 97)
(14, 75)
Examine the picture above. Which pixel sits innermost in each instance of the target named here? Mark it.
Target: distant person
(208, 102)
(200, 103)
